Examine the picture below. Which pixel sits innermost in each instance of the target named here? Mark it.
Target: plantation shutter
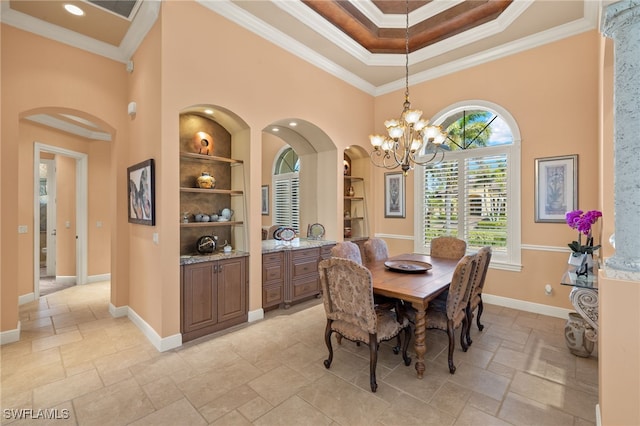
(440, 208)
(287, 202)
(485, 201)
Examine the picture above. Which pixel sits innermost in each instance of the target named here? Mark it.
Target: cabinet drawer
(272, 272)
(305, 287)
(273, 258)
(271, 296)
(307, 253)
(304, 266)
(325, 251)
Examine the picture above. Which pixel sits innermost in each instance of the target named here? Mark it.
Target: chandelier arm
(430, 160)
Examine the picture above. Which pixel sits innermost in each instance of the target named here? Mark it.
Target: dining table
(415, 279)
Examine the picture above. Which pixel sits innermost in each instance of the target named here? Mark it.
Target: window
(473, 193)
(286, 184)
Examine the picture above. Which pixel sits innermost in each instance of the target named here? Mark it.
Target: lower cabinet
(290, 276)
(214, 296)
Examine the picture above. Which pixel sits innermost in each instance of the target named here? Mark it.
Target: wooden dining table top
(418, 288)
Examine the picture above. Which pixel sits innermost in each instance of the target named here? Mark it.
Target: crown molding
(140, 26)
(246, 20)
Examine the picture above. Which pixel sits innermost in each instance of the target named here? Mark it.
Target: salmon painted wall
(40, 73)
(552, 92)
(149, 281)
(228, 66)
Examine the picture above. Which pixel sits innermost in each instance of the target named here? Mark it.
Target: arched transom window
(286, 184)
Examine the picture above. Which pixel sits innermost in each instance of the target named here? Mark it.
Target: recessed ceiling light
(293, 124)
(275, 129)
(208, 111)
(73, 9)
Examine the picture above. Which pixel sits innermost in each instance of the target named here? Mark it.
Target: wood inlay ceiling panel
(455, 20)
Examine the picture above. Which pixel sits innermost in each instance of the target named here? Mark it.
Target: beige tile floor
(77, 362)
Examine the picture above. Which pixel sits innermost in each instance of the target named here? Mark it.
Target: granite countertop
(190, 259)
(270, 246)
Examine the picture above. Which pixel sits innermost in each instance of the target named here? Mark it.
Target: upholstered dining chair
(452, 314)
(347, 294)
(375, 249)
(475, 296)
(347, 250)
(448, 247)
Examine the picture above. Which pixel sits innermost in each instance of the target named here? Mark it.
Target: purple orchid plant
(583, 222)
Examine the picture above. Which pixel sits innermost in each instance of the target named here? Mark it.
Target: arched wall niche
(230, 129)
(318, 171)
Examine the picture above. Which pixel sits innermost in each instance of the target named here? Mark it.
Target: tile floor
(76, 362)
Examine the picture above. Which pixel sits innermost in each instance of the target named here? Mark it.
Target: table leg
(420, 346)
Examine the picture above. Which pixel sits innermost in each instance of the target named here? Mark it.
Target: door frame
(81, 212)
(51, 216)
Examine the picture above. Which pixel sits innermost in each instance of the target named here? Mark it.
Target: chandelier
(409, 134)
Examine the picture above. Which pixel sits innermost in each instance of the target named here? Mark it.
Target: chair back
(448, 247)
(375, 249)
(482, 264)
(347, 250)
(460, 287)
(347, 293)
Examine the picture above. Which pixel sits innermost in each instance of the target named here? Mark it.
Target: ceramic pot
(351, 191)
(206, 181)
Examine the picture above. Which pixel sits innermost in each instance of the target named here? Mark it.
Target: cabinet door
(199, 295)
(232, 297)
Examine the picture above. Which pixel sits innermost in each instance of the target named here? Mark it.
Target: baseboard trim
(26, 298)
(117, 312)
(536, 308)
(10, 336)
(98, 278)
(598, 415)
(66, 279)
(256, 315)
(162, 344)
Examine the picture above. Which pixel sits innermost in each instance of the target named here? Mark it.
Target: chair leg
(373, 360)
(407, 339)
(480, 309)
(327, 340)
(469, 314)
(452, 339)
(463, 333)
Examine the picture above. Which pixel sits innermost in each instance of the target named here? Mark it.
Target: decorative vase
(576, 333)
(582, 262)
(206, 181)
(350, 192)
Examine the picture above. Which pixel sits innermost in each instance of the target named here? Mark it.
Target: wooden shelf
(353, 218)
(208, 224)
(202, 157)
(354, 198)
(212, 191)
(354, 178)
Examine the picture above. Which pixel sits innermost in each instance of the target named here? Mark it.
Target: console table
(582, 335)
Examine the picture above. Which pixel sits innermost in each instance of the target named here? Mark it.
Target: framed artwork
(556, 187)
(142, 199)
(265, 199)
(394, 195)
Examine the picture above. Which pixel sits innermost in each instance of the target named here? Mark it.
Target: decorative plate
(287, 234)
(407, 265)
(316, 231)
(276, 234)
